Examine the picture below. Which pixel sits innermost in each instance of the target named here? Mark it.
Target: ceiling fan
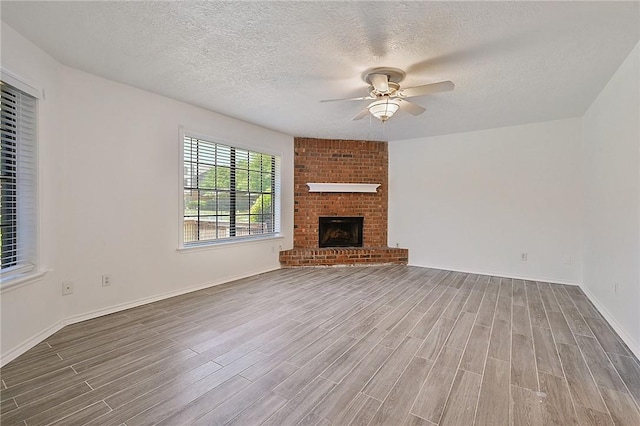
(388, 96)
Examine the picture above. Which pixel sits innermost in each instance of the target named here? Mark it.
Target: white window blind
(18, 177)
(229, 192)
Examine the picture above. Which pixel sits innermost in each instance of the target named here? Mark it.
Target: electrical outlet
(67, 288)
(615, 287)
(106, 280)
(524, 256)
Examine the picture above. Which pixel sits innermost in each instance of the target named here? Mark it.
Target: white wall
(110, 198)
(34, 310)
(612, 200)
(474, 201)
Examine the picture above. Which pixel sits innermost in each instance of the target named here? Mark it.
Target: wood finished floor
(392, 345)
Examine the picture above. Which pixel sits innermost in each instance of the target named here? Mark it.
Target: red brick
(344, 161)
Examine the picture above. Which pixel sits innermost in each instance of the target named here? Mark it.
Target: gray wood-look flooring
(387, 345)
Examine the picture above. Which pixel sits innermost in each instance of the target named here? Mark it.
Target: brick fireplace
(340, 161)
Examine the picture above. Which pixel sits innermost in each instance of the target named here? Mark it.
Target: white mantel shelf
(343, 187)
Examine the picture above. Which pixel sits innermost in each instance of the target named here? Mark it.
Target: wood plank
(246, 397)
(604, 373)
(382, 382)
(623, 410)
(590, 417)
(537, 312)
(398, 333)
(561, 331)
(576, 322)
(430, 299)
(557, 406)
(45, 404)
(81, 417)
(476, 350)
(523, 364)
(343, 394)
(629, 370)
(500, 343)
(360, 412)
(548, 298)
(585, 306)
(461, 330)
(521, 324)
(457, 303)
(305, 375)
(519, 294)
(207, 402)
(432, 398)
(130, 401)
(260, 411)
(412, 420)
(289, 347)
(461, 405)
(216, 388)
(150, 389)
(609, 340)
(583, 389)
(370, 322)
(345, 363)
(140, 360)
(312, 351)
(8, 405)
(526, 407)
(546, 353)
(488, 305)
(426, 323)
(563, 298)
(503, 308)
(475, 298)
(297, 408)
(397, 404)
(436, 338)
(506, 288)
(493, 402)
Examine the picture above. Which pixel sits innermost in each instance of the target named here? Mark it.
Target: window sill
(226, 244)
(20, 280)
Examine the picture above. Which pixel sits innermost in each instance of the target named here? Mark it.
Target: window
(230, 193)
(18, 182)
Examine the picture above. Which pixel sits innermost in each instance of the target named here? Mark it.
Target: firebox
(340, 231)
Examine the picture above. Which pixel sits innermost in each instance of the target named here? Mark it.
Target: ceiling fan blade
(380, 82)
(411, 108)
(362, 114)
(443, 86)
(349, 99)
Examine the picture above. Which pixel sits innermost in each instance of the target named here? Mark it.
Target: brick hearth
(344, 256)
(340, 161)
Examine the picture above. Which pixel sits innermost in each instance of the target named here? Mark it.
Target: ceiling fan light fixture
(383, 109)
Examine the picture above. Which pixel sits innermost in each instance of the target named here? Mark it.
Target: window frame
(28, 268)
(236, 240)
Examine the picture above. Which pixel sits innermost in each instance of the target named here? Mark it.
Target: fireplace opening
(340, 231)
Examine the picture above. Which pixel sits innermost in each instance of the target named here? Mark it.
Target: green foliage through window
(229, 192)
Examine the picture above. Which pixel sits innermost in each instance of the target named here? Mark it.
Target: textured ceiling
(270, 63)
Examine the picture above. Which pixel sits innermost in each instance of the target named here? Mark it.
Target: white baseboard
(33, 341)
(626, 338)
(14, 353)
(499, 274)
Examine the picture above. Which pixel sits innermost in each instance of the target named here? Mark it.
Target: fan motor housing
(394, 75)
(393, 88)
